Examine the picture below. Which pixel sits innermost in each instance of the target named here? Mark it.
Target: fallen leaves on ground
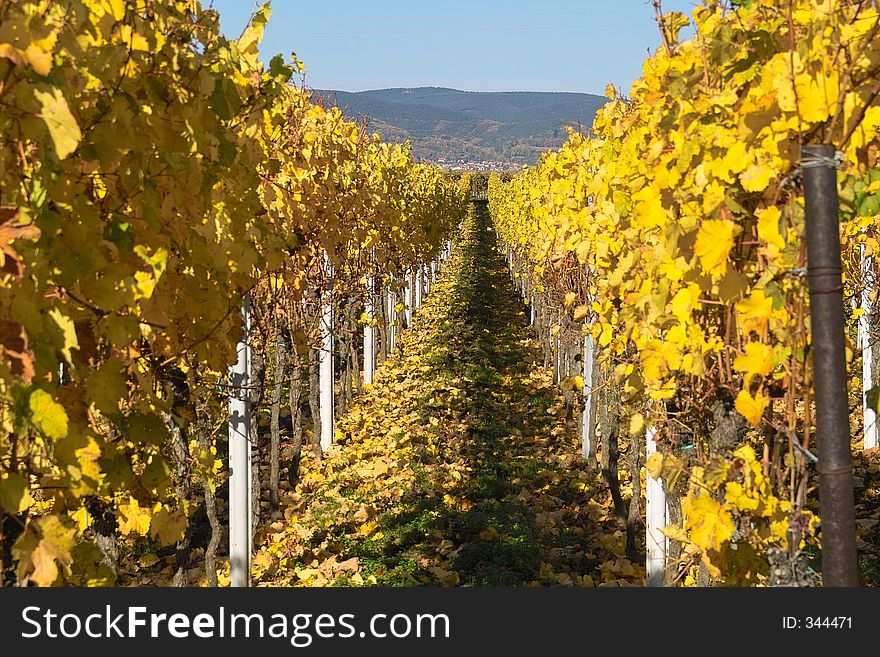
(456, 466)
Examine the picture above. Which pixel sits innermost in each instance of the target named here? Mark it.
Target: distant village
(451, 164)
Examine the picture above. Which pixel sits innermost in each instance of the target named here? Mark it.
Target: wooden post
(240, 537)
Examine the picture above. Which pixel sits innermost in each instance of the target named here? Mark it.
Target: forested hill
(511, 126)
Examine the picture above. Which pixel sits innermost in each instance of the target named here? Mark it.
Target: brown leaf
(14, 349)
(11, 230)
(348, 564)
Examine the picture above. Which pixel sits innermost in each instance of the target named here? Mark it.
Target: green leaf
(220, 103)
(869, 206)
(47, 414)
(106, 387)
(14, 494)
(146, 429)
(63, 128)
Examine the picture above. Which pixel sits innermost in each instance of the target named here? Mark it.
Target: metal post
(871, 433)
(829, 367)
(369, 340)
(326, 368)
(417, 275)
(240, 539)
(655, 520)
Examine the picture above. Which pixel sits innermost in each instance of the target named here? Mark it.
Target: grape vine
(673, 233)
(153, 174)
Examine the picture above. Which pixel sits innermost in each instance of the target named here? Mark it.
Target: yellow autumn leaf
(167, 526)
(68, 333)
(45, 569)
(757, 360)
(735, 159)
(636, 425)
(132, 39)
(751, 408)
(817, 95)
(134, 518)
(756, 177)
(116, 8)
(55, 113)
(654, 465)
(746, 453)
(735, 494)
(47, 415)
(606, 335)
(709, 525)
(56, 542)
(713, 244)
(754, 312)
(768, 227)
(685, 302)
(650, 212)
(40, 60)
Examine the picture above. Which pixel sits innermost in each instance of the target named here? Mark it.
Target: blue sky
(476, 45)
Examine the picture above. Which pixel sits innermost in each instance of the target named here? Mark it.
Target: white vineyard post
(418, 278)
(407, 296)
(369, 338)
(655, 520)
(326, 367)
(871, 437)
(240, 538)
(557, 353)
(587, 419)
(391, 319)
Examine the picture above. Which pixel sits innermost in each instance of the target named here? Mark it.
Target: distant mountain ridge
(442, 123)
